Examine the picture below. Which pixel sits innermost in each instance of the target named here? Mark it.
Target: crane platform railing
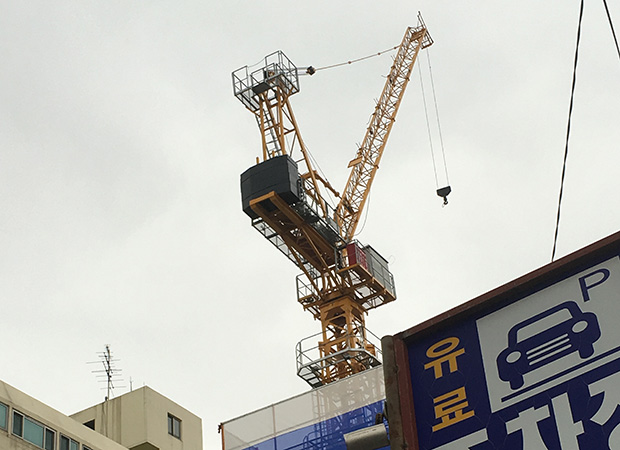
(360, 349)
(308, 210)
(277, 241)
(363, 274)
(277, 72)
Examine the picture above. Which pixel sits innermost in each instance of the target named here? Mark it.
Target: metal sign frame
(542, 291)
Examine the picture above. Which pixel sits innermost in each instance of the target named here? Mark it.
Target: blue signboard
(541, 372)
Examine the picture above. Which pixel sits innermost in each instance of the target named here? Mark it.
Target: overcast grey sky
(121, 146)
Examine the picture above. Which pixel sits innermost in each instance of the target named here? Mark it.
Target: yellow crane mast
(341, 279)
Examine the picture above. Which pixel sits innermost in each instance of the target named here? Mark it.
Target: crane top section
(265, 92)
(276, 77)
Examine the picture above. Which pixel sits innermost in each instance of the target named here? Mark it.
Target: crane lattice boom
(364, 166)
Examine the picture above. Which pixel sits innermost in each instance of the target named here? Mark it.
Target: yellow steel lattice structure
(341, 279)
(364, 166)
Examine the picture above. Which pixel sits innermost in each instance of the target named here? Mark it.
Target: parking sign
(534, 364)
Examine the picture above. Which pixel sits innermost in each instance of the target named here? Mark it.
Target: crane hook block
(443, 192)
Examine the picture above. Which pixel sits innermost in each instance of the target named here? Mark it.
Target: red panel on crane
(356, 255)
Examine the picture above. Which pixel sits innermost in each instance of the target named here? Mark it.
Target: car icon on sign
(546, 337)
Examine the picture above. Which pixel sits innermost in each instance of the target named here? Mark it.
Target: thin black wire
(611, 25)
(307, 72)
(570, 113)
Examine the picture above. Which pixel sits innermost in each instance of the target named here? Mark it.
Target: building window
(84, 447)
(4, 412)
(67, 443)
(32, 431)
(174, 426)
(18, 424)
(50, 439)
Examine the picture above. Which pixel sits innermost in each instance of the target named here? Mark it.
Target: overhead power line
(611, 25)
(570, 113)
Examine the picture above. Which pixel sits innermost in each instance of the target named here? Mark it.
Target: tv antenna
(110, 374)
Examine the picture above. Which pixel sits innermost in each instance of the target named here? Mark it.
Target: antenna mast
(110, 373)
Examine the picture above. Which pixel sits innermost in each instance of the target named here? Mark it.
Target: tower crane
(341, 278)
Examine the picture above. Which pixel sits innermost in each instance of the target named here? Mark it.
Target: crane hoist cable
(443, 191)
(443, 151)
(428, 127)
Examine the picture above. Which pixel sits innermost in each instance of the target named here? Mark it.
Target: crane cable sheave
(364, 166)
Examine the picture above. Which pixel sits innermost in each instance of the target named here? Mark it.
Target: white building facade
(139, 420)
